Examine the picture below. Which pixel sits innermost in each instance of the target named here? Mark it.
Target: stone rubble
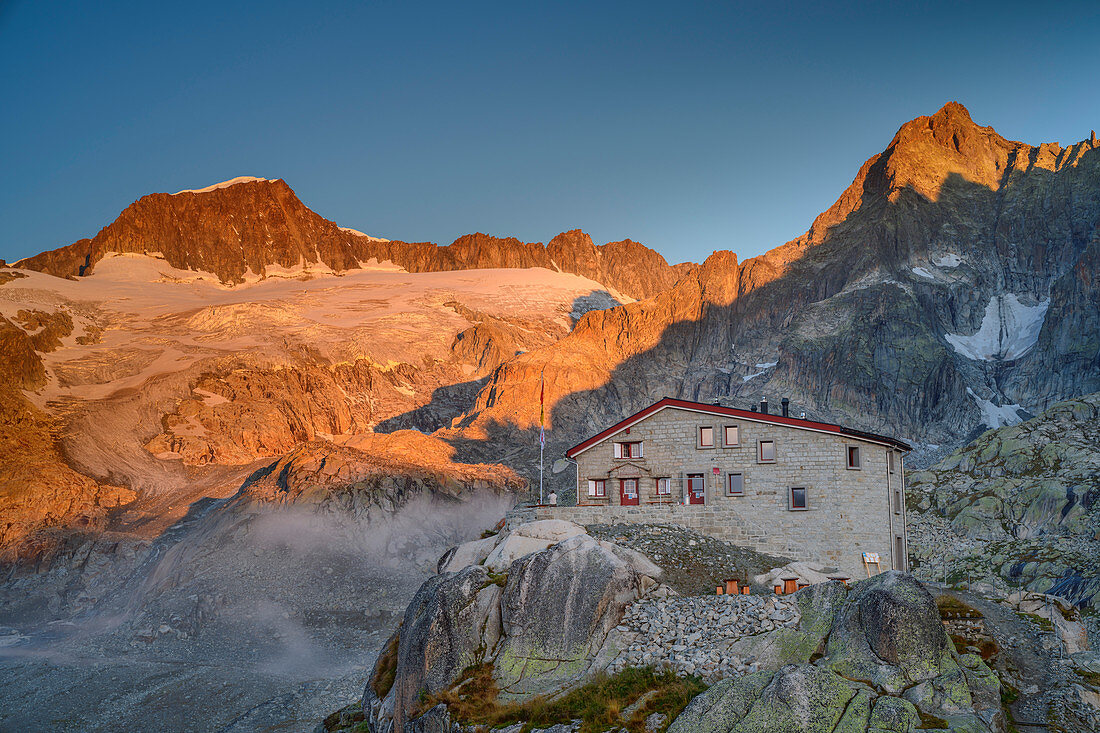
(691, 635)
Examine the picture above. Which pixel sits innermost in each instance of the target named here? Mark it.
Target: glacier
(1009, 329)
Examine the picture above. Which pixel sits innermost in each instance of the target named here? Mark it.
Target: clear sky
(689, 128)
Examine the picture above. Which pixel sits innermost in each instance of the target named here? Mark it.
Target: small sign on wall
(715, 470)
(870, 557)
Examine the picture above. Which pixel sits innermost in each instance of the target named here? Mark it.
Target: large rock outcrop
(887, 665)
(541, 624)
(558, 607)
(1018, 506)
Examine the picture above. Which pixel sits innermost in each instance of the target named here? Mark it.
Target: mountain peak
(953, 111)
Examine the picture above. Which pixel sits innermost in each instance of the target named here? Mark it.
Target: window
(628, 450)
(735, 484)
(766, 452)
(731, 436)
(893, 458)
(664, 487)
(898, 500)
(706, 437)
(798, 499)
(899, 553)
(853, 456)
(597, 488)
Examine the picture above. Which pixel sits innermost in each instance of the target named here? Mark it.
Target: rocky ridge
(257, 227)
(259, 604)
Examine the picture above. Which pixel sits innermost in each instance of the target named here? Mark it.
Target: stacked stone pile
(692, 635)
(693, 562)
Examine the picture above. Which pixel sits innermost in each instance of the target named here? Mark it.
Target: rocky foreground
(1019, 508)
(525, 625)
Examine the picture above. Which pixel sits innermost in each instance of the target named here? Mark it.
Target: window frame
(725, 435)
(594, 488)
(668, 486)
(760, 451)
(617, 451)
(699, 437)
(899, 500)
(858, 465)
(805, 499)
(730, 475)
(892, 461)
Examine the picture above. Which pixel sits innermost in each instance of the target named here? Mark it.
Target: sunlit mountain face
(224, 412)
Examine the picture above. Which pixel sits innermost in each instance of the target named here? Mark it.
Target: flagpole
(542, 428)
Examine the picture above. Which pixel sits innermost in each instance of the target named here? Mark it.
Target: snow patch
(922, 272)
(1009, 329)
(995, 416)
(948, 260)
(763, 366)
(358, 233)
(224, 184)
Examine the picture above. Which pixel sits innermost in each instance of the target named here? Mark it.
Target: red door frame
(623, 500)
(693, 497)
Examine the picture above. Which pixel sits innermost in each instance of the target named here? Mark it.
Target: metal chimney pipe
(764, 405)
(786, 405)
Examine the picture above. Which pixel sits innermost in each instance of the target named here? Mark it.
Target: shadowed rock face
(436, 643)
(879, 316)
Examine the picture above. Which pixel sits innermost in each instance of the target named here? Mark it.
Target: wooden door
(696, 488)
(628, 492)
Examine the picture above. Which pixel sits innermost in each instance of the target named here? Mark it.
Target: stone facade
(848, 511)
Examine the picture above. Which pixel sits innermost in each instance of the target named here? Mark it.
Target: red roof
(793, 422)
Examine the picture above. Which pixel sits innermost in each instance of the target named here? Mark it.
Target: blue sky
(689, 127)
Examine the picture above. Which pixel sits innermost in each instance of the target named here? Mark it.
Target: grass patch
(474, 699)
(1089, 676)
(986, 648)
(350, 718)
(1043, 623)
(386, 668)
(952, 608)
(500, 579)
